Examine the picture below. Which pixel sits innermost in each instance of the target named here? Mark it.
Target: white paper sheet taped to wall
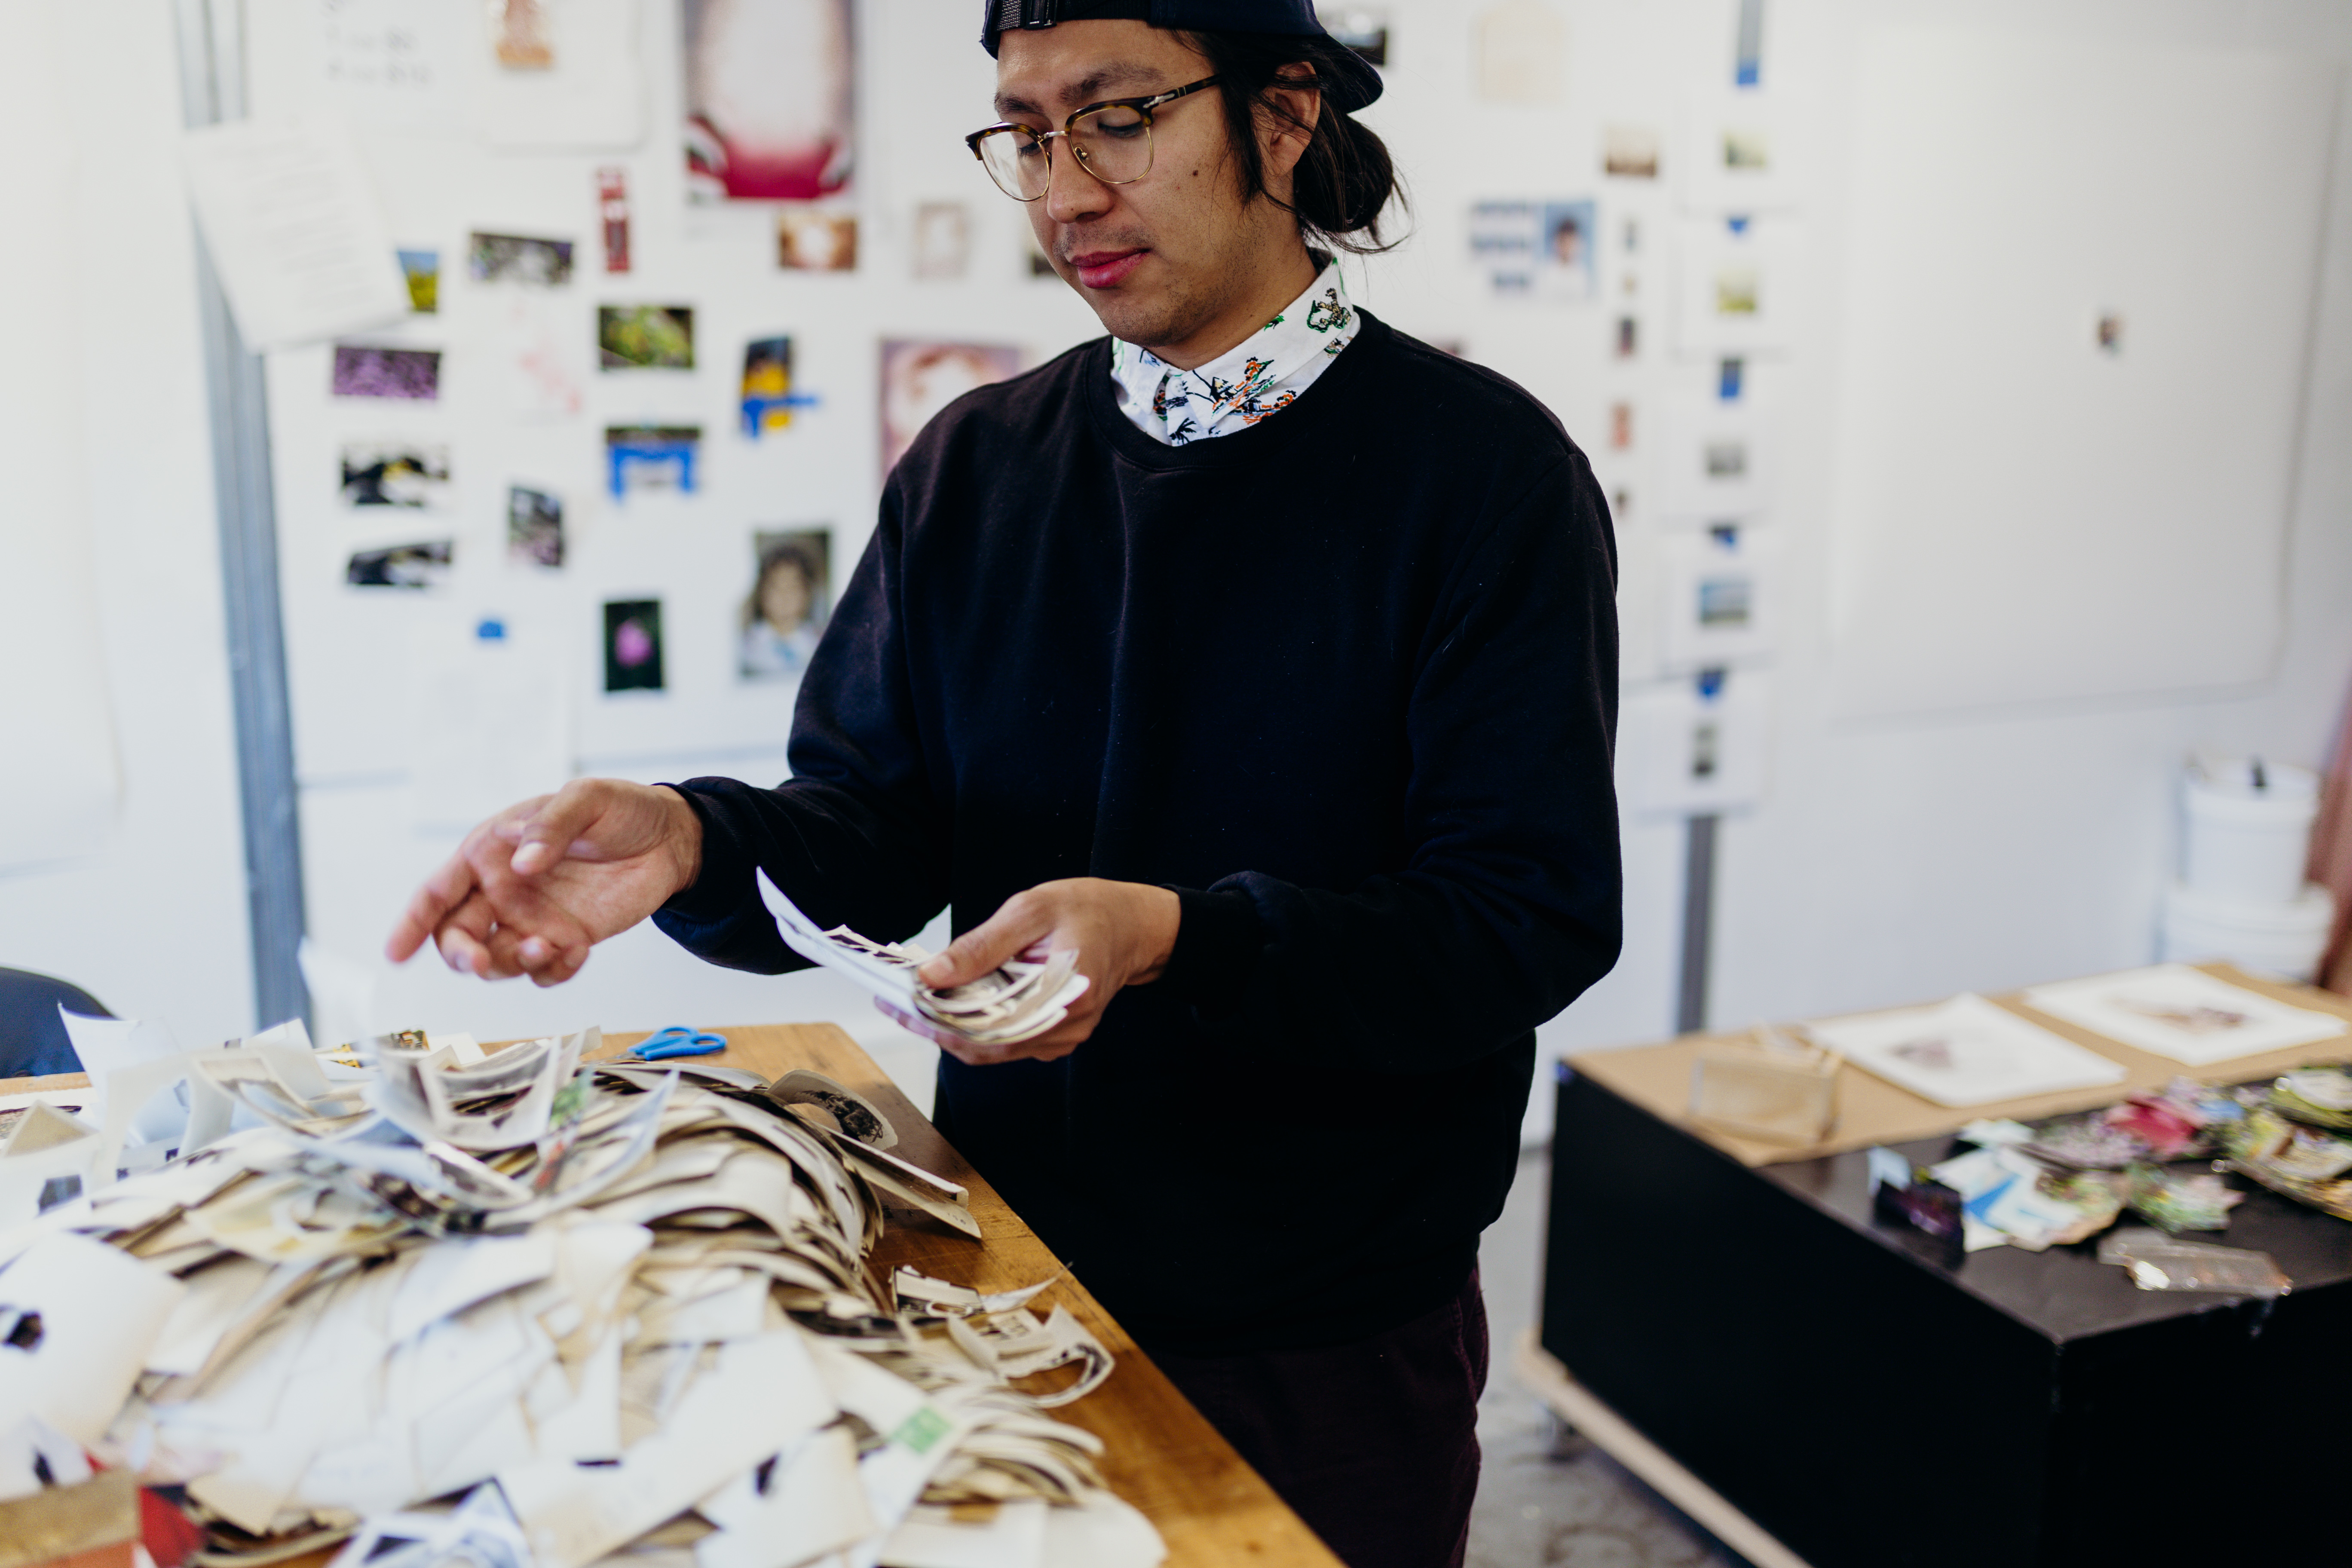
(291, 219)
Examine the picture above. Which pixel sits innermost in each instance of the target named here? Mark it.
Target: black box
(1869, 1406)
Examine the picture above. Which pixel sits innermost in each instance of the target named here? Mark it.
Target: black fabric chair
(32, 1039)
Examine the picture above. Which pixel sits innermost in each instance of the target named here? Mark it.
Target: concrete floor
(1544, 1503)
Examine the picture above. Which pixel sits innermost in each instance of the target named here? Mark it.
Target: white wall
(1892, 859)
(150, 917)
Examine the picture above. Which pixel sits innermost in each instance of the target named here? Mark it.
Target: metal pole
(1699, 924)
(211, 81)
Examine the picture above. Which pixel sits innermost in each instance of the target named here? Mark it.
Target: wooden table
(1160, 1453)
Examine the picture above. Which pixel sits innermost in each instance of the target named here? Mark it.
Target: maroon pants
(1375, 1444)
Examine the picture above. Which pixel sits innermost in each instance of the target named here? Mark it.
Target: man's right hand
(535, 887)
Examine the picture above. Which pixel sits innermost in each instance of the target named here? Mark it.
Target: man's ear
(1286, 123)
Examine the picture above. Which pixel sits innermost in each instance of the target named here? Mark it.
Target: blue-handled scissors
(676, 1040)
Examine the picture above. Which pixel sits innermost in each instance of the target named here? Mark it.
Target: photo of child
(791, 597)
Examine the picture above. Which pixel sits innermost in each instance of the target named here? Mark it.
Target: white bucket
(2249, 829)
(2282, 939)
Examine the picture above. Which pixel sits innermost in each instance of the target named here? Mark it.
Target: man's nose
(1073, 196)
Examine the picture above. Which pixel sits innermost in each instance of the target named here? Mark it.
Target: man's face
(1158, 259)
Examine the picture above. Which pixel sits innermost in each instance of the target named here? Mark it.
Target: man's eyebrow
(1090, 87)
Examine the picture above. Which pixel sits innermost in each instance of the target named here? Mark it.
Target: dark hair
(1345, 180)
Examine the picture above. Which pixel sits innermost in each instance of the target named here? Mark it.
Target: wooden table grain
(1160, 1453)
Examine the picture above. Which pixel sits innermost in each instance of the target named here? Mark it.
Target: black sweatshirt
(1345, 682)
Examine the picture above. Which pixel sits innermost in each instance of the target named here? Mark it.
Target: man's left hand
(1123, 933)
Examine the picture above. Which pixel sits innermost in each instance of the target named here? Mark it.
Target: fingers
(1023, 918)
(546, 834)
(443, 892)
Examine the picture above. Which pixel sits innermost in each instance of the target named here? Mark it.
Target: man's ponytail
(1345, 182)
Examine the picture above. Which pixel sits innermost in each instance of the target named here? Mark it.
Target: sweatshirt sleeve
(1508, 903)
(854, 837)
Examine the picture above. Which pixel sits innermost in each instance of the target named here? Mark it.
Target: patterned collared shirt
(1261, 377)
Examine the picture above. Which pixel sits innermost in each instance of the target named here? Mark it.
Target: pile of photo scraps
(505, 1308)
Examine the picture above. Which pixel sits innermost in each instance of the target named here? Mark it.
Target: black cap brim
(1352, 82)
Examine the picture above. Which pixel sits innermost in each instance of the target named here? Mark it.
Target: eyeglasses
(1111, 140)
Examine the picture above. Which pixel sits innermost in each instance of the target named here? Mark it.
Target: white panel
(2023, 515)
(59, 784)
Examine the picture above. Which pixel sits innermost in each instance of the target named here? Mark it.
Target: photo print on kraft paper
(790, 598)
(633, 646)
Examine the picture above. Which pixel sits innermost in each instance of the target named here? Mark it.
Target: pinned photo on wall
(770, 98)
(1535, 250)
(1736, 154)
(790, 602)
(942, 240)
(395, 474)
(1362, 30)
(633, 646)
(1621, 426)
(556, 75)
(1520, 51)
(919, 378)
(534, 527)
(1712, 460)
(768, 395)
(816, 239)
(1695, 744)
(518, 258)
(652, 458)
(421, 272)
(1731, 299)
(1630, 151)
(1719, 597)
(645, 337)
(363, 370)
(519, 34)
(613, 212)
(1628, 337)
(424, 564)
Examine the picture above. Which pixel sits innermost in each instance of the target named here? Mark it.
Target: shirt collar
(1259, 376)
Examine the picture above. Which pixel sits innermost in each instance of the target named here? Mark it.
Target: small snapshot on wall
(919, 378)
(519, 34)
(1630, 151)
(645, 337)
(816, 239)
(1520, 52)
(770, 98)
(1733, 298)
(768, 399)
(421, 269)
(422, 564)
(534, 527)
(1535, 250)
(518, 258)
(613, 212)
(363, 370)
(1719, 597)
(652, 458)
(942, 240)
(790, 601)
(395, 474)
(633, 646)
(1696, 744)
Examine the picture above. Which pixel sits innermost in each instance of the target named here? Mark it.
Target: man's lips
(1102, 269)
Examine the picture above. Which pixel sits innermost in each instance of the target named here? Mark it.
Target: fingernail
(528, 858)
(533, 950)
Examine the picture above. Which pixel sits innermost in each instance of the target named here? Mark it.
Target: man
(1264, 656)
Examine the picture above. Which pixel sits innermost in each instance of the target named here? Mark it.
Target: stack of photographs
(1018, 1002)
